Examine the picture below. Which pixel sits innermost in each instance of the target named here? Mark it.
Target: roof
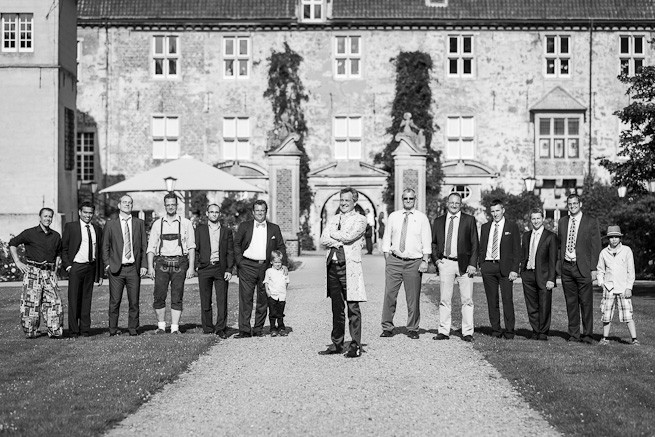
(369, 12)
(558, 100)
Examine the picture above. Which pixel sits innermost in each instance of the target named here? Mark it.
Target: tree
(413, 95)
(638, 140)
(287, 94)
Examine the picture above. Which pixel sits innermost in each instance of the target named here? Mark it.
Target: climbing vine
(413, 95)
(287, 95)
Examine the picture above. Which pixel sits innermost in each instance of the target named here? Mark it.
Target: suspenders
(170, 237)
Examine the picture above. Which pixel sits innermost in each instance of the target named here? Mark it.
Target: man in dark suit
(254, 241)
(455, 253)
(124, 255)
(579, 241)
(538, 273)
(80, 256)
(215, 257)
(499, 257)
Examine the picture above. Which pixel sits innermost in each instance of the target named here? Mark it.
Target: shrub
(8, 269)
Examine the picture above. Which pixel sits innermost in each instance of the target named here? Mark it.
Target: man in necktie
(579, 242)
(500, 255)
(407, 245)
(538, 274)
(254, 241)
(124, 256)
(80, 255)
(344, 237)
(455, 253)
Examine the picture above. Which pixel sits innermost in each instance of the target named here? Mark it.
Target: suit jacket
(467, 241)
(225, 247)
(510, 246)
(274, 241)
(545, 261)
(587, 243)
(112, 244)
(71, 241)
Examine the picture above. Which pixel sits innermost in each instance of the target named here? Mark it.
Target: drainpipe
(591, 111)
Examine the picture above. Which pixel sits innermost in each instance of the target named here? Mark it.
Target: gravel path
(281, 386)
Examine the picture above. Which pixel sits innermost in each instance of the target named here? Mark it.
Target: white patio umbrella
(190, 175)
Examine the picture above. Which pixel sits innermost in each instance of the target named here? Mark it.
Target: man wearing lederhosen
(40, 296)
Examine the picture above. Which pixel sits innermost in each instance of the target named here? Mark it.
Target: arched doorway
(331, 207)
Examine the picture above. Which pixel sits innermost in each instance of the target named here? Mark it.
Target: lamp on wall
(94, 190)
(529, 184)
(651, 186)
(622, 190)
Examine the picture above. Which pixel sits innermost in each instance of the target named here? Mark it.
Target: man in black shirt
(40, 291)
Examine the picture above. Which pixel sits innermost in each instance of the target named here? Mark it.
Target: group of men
(123, 251)
(502, 255)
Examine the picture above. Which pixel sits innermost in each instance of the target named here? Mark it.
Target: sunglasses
(408, 198)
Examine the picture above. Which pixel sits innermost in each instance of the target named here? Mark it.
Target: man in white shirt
(407, 245)
(171, 260)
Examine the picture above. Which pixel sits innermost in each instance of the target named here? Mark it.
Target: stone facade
(119, 91)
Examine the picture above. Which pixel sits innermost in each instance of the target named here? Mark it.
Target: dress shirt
(168, 225)
(453, 241)
(40, 246)
(534, 241)
(570, 256)
(257, 248)
(616, 269)
(490, 243)
(126, 220)
(418, 240)
(277, 283)
(82, 255)
(214, 240)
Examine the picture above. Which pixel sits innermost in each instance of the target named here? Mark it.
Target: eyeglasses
(408, 198)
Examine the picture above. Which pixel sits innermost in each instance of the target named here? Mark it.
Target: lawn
(580, 389)
(83, 386)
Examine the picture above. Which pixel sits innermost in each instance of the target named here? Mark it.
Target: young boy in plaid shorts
(616, 274)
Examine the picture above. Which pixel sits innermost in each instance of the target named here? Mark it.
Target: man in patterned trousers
(40, 296)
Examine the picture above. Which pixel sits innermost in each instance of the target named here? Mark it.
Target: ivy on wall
(287, 94)
(414, 95)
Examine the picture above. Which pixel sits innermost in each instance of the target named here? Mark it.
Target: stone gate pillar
(410, 166)
(284, 190)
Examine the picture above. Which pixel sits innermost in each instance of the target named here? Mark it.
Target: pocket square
(508, 233)
(273, 237)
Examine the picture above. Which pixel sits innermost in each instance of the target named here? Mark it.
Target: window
(236, 138)
(460, 55)
(348, 56)
(166, 56)
(559, 137)
(632, 54)
(85, 156)
(312, 10)
(165, 136)
(460, 132)
(69, 139)
(17, 32)
(558, 56)
(236, 57)
(462, 190)
(348, 137)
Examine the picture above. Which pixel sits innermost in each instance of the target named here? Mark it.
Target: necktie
(88, 233)
(127, 241)
(494, 246)
(403, 232)
(570, 242)
(533, 250)
(449, 235)
(260, 225)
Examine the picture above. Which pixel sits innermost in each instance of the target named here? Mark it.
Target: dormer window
(312, 11)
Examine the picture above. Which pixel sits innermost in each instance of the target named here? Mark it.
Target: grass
(580, 389)
(83, 386)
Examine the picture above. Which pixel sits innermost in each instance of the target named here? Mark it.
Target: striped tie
(449, 236)
(494, 247)
(403, 233)
(127, 241)
(570, 242)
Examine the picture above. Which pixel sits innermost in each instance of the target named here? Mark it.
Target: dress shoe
(258, 334)
(413, 335)
(534, 336)
(176, 332)
(386, 333)
(508, 336)
(283, 332)
(209, 332)
(133, 333)
(222, 334)
(468, 338)
(332, 350)
(354, 352)
(497, 335)
(74, 335)
(85, 334)
(273, 332)
(159, 331)
(543, 337)
(243, 334)
(572, 339)
(112, 334)
(588, 340)
(440, 337)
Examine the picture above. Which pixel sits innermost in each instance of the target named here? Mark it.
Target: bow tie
(260, 225)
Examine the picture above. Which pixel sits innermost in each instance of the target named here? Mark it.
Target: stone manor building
(522, 88)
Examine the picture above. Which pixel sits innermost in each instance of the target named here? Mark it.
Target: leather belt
(338, 263)
(255, 260)
(404, 259)
(572, 262)
(127, 265)
(528, 270)
(495, 261)
(451, 258)
(40, 265)
(214, 263)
